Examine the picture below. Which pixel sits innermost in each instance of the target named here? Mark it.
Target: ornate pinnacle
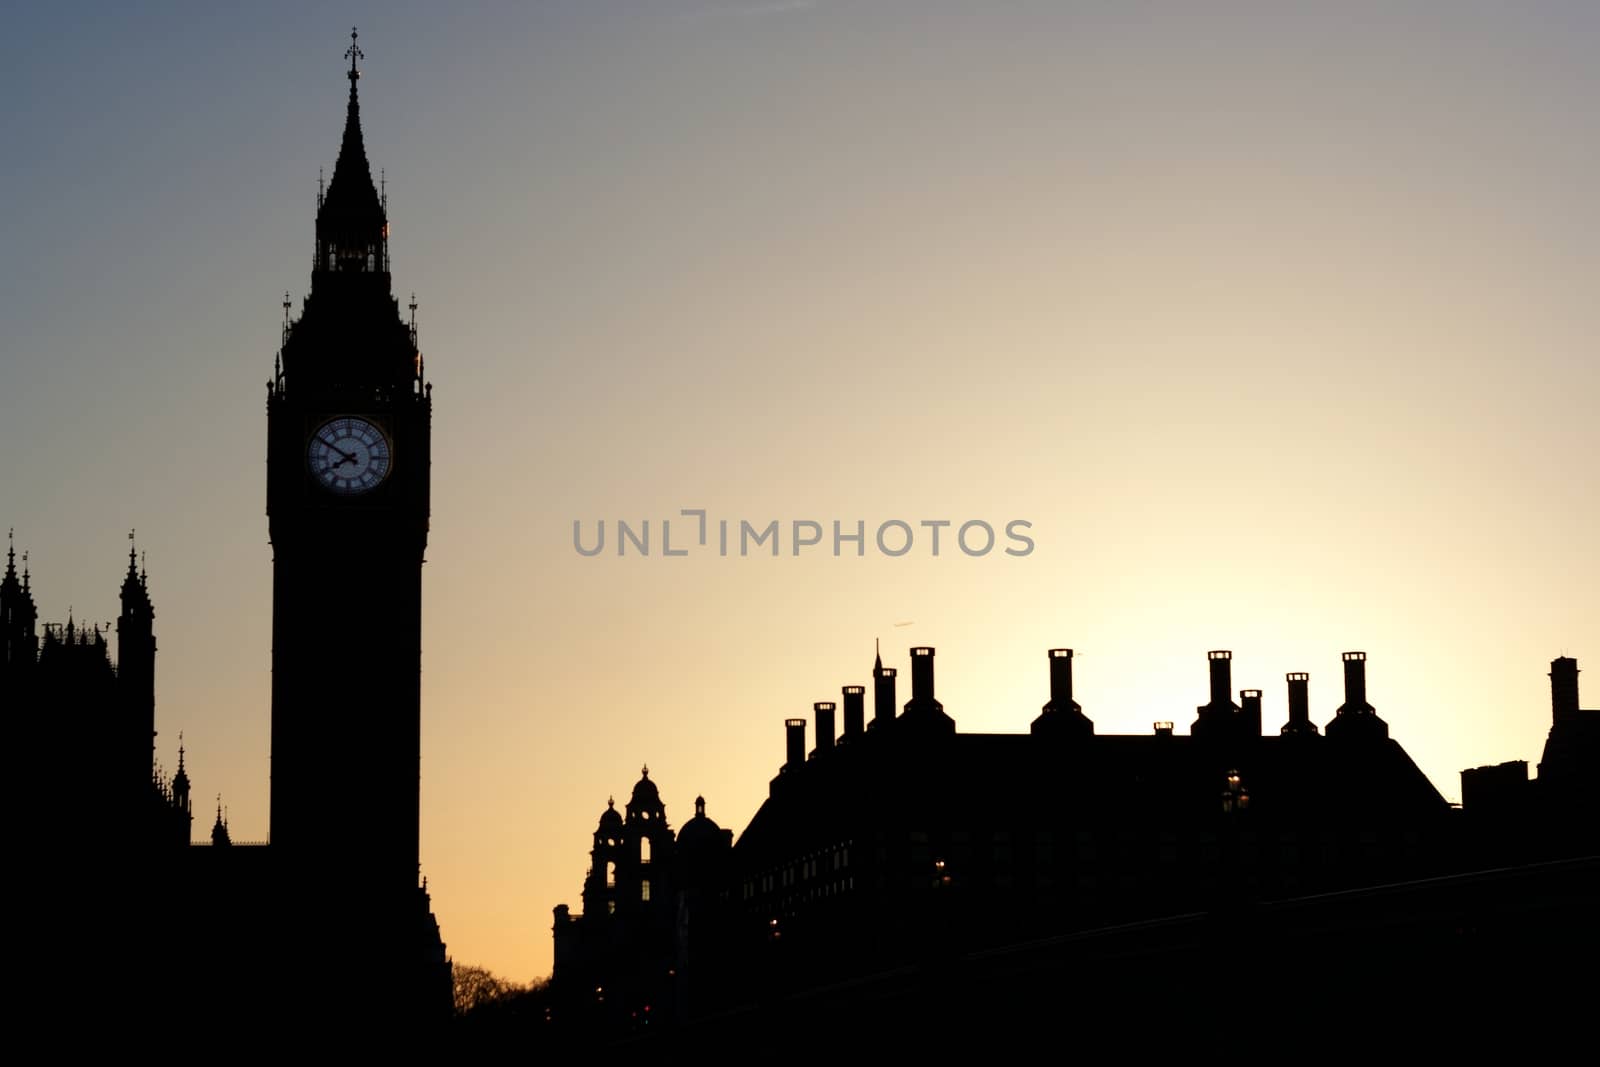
(354, 53)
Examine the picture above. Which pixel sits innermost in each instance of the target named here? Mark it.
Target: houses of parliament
(230, 930)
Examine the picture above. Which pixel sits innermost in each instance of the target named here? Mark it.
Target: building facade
(901, 871)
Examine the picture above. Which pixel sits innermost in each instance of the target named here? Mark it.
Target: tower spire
(350, 217)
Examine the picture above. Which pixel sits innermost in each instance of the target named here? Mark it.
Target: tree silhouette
(477, 987)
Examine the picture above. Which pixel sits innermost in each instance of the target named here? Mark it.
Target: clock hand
(349, 457)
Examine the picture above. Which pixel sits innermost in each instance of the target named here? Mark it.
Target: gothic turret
(136, 672)
(219, 829)
(19, 639)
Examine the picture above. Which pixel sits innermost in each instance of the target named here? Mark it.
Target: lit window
(611, 907)
(644, 850)
(611, 875)
(644, 889)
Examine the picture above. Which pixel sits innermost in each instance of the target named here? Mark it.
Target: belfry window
(644, 850)
(644, 889)
(611, 874)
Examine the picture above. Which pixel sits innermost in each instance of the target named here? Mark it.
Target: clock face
(348, 456)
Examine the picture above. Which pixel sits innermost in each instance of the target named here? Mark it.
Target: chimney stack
(923, 714)
(882, 695)
(1250, 712)
(921, 675)
(824, 710)
(1221, 678)
(1299, 706)
(855, 703)
(1355, 681)
(1355, 717)
(1563, 688)
(1061, 678)
(795, 734)
(1062, 717)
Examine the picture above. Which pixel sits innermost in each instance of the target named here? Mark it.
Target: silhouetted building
(61, 692)
(902, 872)
(912, 837)
(249, 929)
(1517, 819)
(651, 897)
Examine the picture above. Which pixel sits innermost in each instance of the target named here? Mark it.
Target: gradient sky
(1278, 321)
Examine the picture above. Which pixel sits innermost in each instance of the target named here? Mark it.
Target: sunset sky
(1277, 321)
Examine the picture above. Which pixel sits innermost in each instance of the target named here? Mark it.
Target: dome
(611, 819)
(645, 794)
(700, 830)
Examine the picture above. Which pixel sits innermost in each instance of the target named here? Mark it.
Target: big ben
(348, 413)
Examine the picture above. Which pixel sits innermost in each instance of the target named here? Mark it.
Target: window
(644, 850)
(611, 875)
(644, 889)
(611, 907)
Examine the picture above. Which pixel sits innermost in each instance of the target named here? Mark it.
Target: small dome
(700, 830)
(611, 818)
(645, 794)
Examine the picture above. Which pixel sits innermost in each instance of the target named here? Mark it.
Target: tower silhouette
(347, 500)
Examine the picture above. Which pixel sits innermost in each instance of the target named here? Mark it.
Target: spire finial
(877, 654)
(611, 801)
(180, 751)
(354, 53)
(24, 571)
(133, 555)
(645, 770)
(11, 534)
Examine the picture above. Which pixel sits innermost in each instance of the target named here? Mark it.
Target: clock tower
(347, 504)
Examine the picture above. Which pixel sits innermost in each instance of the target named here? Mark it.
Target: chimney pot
(882, 696)
(795, 736)
(1221, 678)
(855, 702)
(922, 675)
(1355, 681)
(1250, 712)
(1299, 705)
(824, 710)
(1563, 688)
(1061, 679)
